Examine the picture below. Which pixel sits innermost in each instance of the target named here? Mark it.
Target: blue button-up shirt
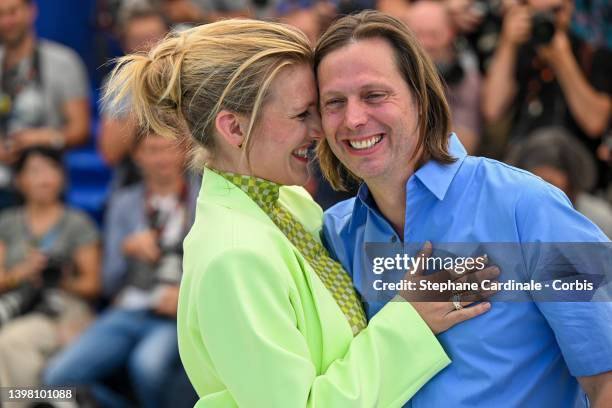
(517, 354)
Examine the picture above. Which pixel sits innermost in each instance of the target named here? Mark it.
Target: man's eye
(333, 103)
(376, 96)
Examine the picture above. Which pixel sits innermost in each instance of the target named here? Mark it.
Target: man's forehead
(357, 64)
(11, 4)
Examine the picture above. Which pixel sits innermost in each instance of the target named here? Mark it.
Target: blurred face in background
(161, 160)
(432, 26)
(41, 180)
(141, 33)
(554, 176)
(16, 21)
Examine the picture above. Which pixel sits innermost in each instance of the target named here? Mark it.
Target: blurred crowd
(88, 292)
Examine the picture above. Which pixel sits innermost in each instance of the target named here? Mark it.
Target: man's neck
(390, 199)
(389, 193)
(17, 52)
(165, 187)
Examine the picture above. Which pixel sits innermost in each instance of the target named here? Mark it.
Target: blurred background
(93, 210)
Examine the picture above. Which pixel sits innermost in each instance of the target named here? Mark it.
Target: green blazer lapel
(220, 191)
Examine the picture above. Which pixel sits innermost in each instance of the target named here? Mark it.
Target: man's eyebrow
(327, 94)
(365, 87)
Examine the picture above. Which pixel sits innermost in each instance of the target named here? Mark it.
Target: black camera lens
(543, 28)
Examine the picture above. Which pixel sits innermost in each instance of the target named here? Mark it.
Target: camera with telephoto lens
(543, 28)
(52, 272)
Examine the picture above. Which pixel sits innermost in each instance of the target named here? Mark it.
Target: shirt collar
(435, 176)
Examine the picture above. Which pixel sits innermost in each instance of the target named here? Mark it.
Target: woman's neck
(41, 216)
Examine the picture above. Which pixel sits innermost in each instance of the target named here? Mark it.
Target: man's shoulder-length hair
(417, 70)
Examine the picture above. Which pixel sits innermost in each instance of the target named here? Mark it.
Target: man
(432, 25)
(140, 27)
(43, 89)
(142, 268)
(386, 123)
(542, 74)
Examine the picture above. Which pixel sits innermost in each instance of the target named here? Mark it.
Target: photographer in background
(558, 158)
(140, 27)
(44, 91)
(145, 227)
(544, 75)
(431, 23)
(49, 269)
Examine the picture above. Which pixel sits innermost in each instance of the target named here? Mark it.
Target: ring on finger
(456, 299)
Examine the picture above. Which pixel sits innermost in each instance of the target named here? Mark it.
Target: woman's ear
(231, 127)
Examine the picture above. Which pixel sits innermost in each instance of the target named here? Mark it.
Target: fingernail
(486, 305)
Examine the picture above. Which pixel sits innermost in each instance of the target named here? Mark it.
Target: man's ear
(231, 127)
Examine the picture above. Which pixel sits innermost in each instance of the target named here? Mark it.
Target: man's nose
(355, 114)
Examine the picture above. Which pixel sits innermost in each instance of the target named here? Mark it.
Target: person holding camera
(49, 269)
(144, 230)
(542, 74)
(431, 21)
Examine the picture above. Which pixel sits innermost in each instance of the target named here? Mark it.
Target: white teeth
(366, 143)
(303, 153)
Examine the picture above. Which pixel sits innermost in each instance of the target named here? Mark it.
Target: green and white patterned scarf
(265, 193)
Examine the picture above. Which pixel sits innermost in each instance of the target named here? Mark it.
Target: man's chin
(13, 40)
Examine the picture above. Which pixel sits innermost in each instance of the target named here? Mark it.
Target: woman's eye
(303, 116)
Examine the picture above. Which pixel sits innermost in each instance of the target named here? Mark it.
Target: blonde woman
(266, 318)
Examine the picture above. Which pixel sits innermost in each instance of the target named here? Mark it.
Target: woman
(48, 250)
(266, 318)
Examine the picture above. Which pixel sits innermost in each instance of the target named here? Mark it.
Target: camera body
(52, 272)
(543, 28)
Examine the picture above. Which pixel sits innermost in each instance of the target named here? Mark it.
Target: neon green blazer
(257, 327)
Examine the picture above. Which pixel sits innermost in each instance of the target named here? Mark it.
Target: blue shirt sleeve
(582, 329)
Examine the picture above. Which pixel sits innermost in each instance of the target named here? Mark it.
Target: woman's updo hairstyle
(180, 86)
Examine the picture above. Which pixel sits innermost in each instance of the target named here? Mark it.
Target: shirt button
(393, 238)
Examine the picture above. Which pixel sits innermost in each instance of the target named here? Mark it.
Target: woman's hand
(442, 309)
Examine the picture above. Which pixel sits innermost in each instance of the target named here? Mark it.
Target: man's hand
(516, 28)
(558, 49)
(167, 304)
(143, 246)
(34, 137)
(8, 155)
